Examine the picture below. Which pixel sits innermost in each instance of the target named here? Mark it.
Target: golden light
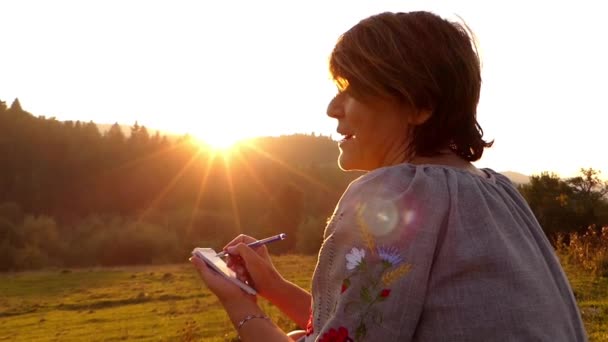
(218, 142)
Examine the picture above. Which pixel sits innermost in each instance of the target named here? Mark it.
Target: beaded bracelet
(244, 320)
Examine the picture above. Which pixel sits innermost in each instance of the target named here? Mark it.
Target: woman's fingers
(240, 270)
(244, 277)
(239, 239)
(253, 266)
(259, 268)
(234, 261)
(220, 286)
(245, 255)
(208, 274)
(236, 264)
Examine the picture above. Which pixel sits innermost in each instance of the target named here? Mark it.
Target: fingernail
(231, 249)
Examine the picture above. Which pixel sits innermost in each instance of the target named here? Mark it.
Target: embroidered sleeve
(386, 272)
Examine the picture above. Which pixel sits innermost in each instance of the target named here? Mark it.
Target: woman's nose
(334, 108)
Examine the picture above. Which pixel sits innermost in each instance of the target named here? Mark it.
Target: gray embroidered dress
(433, 253)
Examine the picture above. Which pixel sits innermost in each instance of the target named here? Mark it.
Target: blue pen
(259, 243)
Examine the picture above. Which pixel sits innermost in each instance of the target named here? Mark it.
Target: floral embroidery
(345, 285)
(384, 293)
(390, 255)
(390, 276)
(375, 277)
(309, 327)
(333, 335)
(354, 258)
(368, 238)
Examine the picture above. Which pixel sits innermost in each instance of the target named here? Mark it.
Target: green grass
(591, 294)
(151, 303)
(168, 303)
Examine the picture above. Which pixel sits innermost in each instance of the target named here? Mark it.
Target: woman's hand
(239, 305)
(253, 266)
(226, 291)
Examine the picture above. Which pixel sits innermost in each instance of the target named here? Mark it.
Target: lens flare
(381, 216)
(408, 216)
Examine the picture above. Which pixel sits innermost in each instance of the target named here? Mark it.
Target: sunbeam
(289, 168)
(208, 167)
(169, 186)
(136, 161)
(235, 209)
(257, 180)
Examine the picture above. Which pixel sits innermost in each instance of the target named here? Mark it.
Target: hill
(516, 177)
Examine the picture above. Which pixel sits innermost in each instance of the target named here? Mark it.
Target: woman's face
(374, 132)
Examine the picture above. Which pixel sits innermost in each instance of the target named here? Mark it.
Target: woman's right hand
(253, 266)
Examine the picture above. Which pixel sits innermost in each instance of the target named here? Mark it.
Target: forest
(74, 196)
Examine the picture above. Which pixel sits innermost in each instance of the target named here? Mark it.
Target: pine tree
(16, 106)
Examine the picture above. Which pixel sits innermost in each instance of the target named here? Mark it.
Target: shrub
(7, 256)
(588, 250)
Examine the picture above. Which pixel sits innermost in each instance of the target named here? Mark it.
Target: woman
(425, 246)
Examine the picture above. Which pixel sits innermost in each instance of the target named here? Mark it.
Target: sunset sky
(235, 69)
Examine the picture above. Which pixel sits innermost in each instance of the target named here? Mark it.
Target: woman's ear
(419, 116)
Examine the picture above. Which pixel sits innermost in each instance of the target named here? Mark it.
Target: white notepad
(210, 257)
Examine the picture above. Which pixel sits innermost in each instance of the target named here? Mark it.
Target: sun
(218, 141)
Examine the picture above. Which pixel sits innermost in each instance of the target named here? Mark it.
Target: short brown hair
(421, 60)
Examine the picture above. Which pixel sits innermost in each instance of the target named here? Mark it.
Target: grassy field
(592, 297)
(168, 303)
(152, 303)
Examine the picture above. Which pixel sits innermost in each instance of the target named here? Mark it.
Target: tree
(139, 138)
(589, 191)
(115, 134)
(91, 132)
(288, 217)
(16, 106)
(550, 199)
(10, 234)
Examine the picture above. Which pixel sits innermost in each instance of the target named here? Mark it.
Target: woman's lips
(346, 138)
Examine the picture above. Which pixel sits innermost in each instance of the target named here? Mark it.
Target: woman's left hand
(225, 290)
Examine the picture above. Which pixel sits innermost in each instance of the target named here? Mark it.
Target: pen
(259, 243)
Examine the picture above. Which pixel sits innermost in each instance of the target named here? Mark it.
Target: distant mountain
(516, 177)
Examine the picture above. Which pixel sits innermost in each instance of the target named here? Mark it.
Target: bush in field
(7, 256)
(31, 257)
(32, 244)
(135, 243)
(573, 204)
(10, 233)
(41, 233)
(588, 250)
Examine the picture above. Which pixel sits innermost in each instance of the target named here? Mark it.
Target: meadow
(168, 303)
(145, 303)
